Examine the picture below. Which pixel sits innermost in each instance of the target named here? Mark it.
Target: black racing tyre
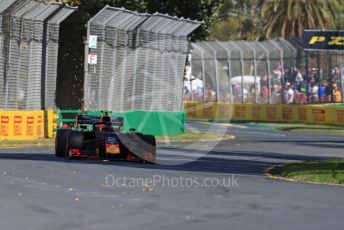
(151, 141)
(148, 144)
(61, 143)
(76, 140)
(102, 151)
(137, 144)
(122, 138)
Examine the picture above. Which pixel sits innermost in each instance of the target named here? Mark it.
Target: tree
(239, 20)
(202, 10)
(290, 18)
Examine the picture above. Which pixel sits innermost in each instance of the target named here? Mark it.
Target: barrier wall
(33, 125)
(152, 123)
(306, 114)
(16, 125)
(51, 124)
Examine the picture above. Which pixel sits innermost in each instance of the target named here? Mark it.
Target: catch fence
(29, 53)
(135, 62)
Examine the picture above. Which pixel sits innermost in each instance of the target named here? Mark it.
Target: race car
(103, 138)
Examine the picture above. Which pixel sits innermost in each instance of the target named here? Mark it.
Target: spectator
(329, 92)
(289, 94)
(335, 79)
(313, 76)
(264, 89)
(303, 88)
(211, 94)
(313, 93)
(337, 95)
(278, 73)
(298, 78)
(301, 94)
(289, 76)
(252, 94)
(322, 92)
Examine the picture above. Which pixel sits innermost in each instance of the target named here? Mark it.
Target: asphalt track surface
(38, 191)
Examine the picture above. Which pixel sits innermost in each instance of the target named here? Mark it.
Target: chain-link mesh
(51, 54)
(16, 86)
(22, 71)
(275, 71)
(3, 7)
(140, 61)
(6, 6)
(240, 71)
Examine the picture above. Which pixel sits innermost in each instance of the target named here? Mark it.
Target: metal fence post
(293, 51)
(229, 68)
(330, 63)
(216, 71)
(320, 74)
(255, 71)
(274, 43)
(191, 91)
(203, 68)
(242, 67)
(269, 69)
(341, 74)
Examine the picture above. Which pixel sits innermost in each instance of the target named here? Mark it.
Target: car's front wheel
(61, 143)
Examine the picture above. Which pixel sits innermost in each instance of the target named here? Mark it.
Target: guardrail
(16, 125)
(27, 125)
(307, 114)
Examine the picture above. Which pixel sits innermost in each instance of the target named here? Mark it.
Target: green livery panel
(149, 123)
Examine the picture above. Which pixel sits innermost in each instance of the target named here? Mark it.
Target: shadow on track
(253, 163)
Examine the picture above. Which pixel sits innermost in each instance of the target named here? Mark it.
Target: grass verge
(191, 136)
(308, 128)
(323, 172)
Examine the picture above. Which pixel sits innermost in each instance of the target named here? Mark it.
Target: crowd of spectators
(289, 87)
(310, 88)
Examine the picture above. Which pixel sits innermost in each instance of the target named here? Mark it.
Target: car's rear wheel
(76, 140)
(138, 147)
(149, 148)
(61, 143)
(124, 151)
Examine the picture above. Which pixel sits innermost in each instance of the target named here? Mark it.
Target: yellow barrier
(309, 114)
(50, 123)
(19, 125)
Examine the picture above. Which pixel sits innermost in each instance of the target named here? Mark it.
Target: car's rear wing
(68, 118)
(117, 122)
(87, 120)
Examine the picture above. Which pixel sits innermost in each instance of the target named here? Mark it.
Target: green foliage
(239, 20)
(236, 20)
(261, 19)
(202, 10)
(290, 18)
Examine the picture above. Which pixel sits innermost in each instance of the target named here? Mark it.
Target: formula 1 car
(103, 138)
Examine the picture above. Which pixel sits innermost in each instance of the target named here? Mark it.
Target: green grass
(192, 136)
(294, 127)
(327, 172)
(337, 105)
(321, 129)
